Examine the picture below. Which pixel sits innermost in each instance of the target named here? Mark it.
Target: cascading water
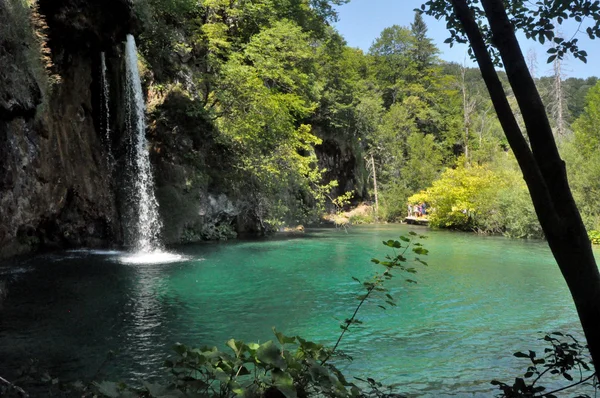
(145, 224)
(105, 109)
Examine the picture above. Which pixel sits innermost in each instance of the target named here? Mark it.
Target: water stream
(144, 229)
(105, 122)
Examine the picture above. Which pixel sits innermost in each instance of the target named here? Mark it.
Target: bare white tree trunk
(468, 109)
(532, 62)
(559, 109)
(375, 185)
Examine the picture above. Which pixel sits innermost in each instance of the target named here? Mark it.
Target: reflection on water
(146, 312)
(480, 300)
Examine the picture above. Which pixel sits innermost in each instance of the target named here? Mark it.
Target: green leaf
(237, 346)
(283, 339)
(420, 250)
(222, 376)
(309, 345)
(284, 383)
(269, 354)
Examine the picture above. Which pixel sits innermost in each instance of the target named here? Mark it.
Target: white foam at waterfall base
(153, 257)
(145, 226)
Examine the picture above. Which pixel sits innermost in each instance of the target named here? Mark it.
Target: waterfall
(105, 122)
(145, 225)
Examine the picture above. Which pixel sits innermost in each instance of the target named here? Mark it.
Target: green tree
(392, 62)
(342, 74)
(424, 52)
(582, 155)
(539, 160)
(262, 96)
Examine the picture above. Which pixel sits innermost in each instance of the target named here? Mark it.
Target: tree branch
(533, 176)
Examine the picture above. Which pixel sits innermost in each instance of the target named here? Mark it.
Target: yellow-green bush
(455, 198)
(482, 199)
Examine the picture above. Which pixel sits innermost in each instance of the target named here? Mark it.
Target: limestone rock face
(20, 92)
(55, 184)
(78, 26)
(343, 165)
(191, 176)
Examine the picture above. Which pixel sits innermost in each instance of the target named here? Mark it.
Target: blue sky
(361, 21)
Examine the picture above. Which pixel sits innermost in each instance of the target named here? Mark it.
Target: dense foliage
(304, 119)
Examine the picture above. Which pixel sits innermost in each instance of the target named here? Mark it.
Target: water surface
(479, 300)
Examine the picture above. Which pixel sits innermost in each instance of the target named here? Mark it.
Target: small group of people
(419, 210)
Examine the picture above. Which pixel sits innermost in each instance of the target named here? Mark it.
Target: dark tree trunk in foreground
(542, 167)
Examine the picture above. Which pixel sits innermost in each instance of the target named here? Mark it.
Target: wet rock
(76, 26)
(342, 164)
(56, 188)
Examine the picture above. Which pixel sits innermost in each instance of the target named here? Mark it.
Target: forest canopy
(304, 118)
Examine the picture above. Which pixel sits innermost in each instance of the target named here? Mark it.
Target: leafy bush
(481, 199)
(361, 218)
(458, 195)
(594, 237)
(392, 207)
(564, 357)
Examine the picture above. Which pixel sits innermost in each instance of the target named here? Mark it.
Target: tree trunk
(558, 105)
(543, 169)
(375, 186)
(466, 112)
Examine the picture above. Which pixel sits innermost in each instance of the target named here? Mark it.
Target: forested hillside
(131, 130)
(302, 119)
(259, 116)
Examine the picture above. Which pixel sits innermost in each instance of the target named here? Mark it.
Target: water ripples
(479, 300)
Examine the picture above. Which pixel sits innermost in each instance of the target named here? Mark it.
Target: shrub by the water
(481, 198)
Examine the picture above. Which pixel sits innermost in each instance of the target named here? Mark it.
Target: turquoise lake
(479, 300)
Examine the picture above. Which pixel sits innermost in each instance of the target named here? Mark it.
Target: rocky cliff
(58, 185)
(55, 190)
